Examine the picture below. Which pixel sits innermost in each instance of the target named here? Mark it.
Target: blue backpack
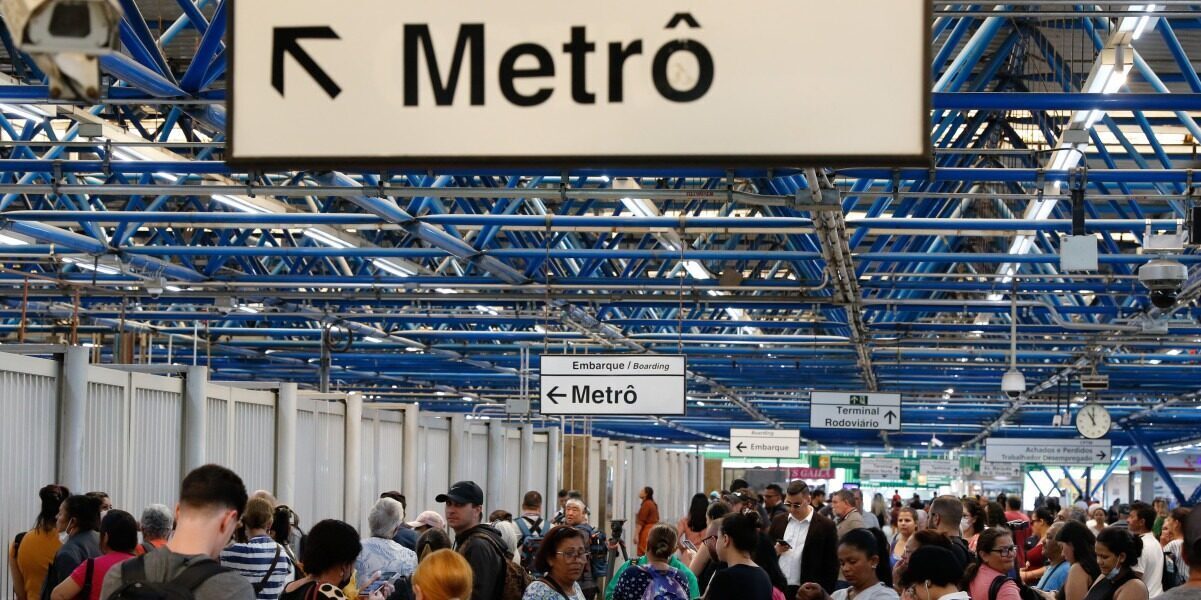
(664, 586)
(531, 540)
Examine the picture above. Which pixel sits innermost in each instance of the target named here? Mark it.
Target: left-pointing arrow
(286, 41)
(554, 394)
(741, 447)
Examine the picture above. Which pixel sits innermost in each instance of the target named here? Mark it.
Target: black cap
(463, 492)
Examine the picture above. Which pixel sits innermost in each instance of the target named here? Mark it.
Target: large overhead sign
(1047, 451)
(613, 384)
(887, 469)
(842, 410)
(939, 468)
(475, 82)
(765, 443)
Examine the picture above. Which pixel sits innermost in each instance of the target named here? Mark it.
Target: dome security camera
(1163, 278)
(1013, 383)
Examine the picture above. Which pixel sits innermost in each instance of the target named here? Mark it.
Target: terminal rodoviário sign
(842, 410)
(571, 83)
(613, 384)
(765, 443)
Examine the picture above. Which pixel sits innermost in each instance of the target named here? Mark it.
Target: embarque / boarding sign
(530, 82)
(765, 443)
(613, 384)
(1047, 451)
(855, 410)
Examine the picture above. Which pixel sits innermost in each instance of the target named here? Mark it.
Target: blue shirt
(252, 559)
(1054, 577)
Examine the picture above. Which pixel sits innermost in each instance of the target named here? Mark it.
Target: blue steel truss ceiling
(445, 287)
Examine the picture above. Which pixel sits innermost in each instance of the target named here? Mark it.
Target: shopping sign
(476, 82)
(810, 473)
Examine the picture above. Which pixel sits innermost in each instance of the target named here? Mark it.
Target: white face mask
(965, 524)
(63, 537)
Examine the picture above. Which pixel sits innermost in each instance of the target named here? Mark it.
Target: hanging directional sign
(1047, 451)
(476, 82)
(613, 384)
(765, 443)
(939, 469)
(842, 410)
(1000, 470)
(888, 469)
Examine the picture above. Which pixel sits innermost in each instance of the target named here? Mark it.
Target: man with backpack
(575, 514)
(495, 575)
(532, 528)
(211, 499)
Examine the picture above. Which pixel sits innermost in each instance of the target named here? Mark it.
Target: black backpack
(1025, 593)
(182, 587)
(1172, 577)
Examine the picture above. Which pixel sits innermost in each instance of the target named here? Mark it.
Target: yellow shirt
(35, 555)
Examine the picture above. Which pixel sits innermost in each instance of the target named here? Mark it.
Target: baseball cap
(746, 494)
(463, 492)
(428, 518)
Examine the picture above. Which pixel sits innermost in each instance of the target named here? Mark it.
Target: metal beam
(1152, 457)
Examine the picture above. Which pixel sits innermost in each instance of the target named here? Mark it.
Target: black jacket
(819, 558)
(484, 549)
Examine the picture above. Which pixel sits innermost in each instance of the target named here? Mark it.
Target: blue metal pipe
(126, 69)
(1064, 101)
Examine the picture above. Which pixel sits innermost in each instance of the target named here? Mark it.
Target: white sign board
(843, 410)
(765, 443)
(938, 468)
(888, 469)
(613, 384)
(1051, 452)
(545, 82)
(1000, 470)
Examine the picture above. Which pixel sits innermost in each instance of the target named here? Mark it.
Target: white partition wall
(511, 483)
(541, 481)
(320, 459)
(475, 463)
(382, 459)
(240, 433)
(29, 394)
(434, 464)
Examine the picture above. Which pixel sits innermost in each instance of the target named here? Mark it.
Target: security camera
(1013, 383)
(65, 37)
(1163, 278)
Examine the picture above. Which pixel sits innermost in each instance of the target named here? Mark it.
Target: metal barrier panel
(320, 459)
(254, 441)
(382, 461)
(434, 462)
(155, 456)
(540, 481)
(28, 390)
(216, 432)
(476, 446)
(511, 480)
(106, 434)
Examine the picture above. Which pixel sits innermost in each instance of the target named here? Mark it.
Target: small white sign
(1000, 470)
(542, 82)
(939, 468)
(843, 410)
(1051, 452)
(765, 443)
(888, 469)
(613, 384)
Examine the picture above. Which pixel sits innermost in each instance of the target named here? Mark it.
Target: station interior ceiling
(445, 287)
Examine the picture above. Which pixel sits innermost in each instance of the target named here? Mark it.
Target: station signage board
(765, 443)
(888, 469)
(539, 82)
(613, 384)
(938, 468)
(1047, 451)
(810, 473)
(1000, 470)
(855, 410)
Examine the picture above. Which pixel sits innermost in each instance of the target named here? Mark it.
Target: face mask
(1114, 573)
(63, 537)
(965, 524)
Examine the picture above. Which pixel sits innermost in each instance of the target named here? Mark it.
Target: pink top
(103, 564)
(984, 579)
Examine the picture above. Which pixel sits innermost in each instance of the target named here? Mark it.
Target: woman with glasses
(928, 578)
(997, 554)
(563, 556)
(1118, 551)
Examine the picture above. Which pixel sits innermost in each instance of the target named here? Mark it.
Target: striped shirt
(252, 559)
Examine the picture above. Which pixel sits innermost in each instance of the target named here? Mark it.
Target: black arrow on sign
(890, 416)
(741, 447)
(553, 394)
(1100, 455)
(286, 41)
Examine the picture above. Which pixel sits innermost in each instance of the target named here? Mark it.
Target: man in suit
(846, 512)
(809, 552)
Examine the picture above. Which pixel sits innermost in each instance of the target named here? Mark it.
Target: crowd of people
(783, 542)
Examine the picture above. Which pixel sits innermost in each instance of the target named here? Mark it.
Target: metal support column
(1033, 481)
(1149, 451)
(1072, 480)
(285, 442)
(351, 492)
(1109, 471)
(412, 437)
(1062, 492)
(554, 454)
(525, 466)
(195, 417)
(72, 416)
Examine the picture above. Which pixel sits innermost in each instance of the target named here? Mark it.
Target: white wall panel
(320, 458)
(105, 437)
(539, 474)
(28, 395)
(156, 427)
(434, 464)
(254, 443)
(216, 432)
(476, 445)
(511, 482)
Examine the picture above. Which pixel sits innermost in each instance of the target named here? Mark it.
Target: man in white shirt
(1150, 564)
(806, 542)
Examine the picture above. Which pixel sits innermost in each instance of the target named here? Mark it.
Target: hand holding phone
(686, 544)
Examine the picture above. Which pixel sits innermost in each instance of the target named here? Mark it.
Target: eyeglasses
(577, 555)
(795, 504)
(708, 539)
(1006, 550)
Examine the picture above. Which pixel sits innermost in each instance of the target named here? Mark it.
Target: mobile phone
(384, 577)
(688, 545)
(783, 543)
